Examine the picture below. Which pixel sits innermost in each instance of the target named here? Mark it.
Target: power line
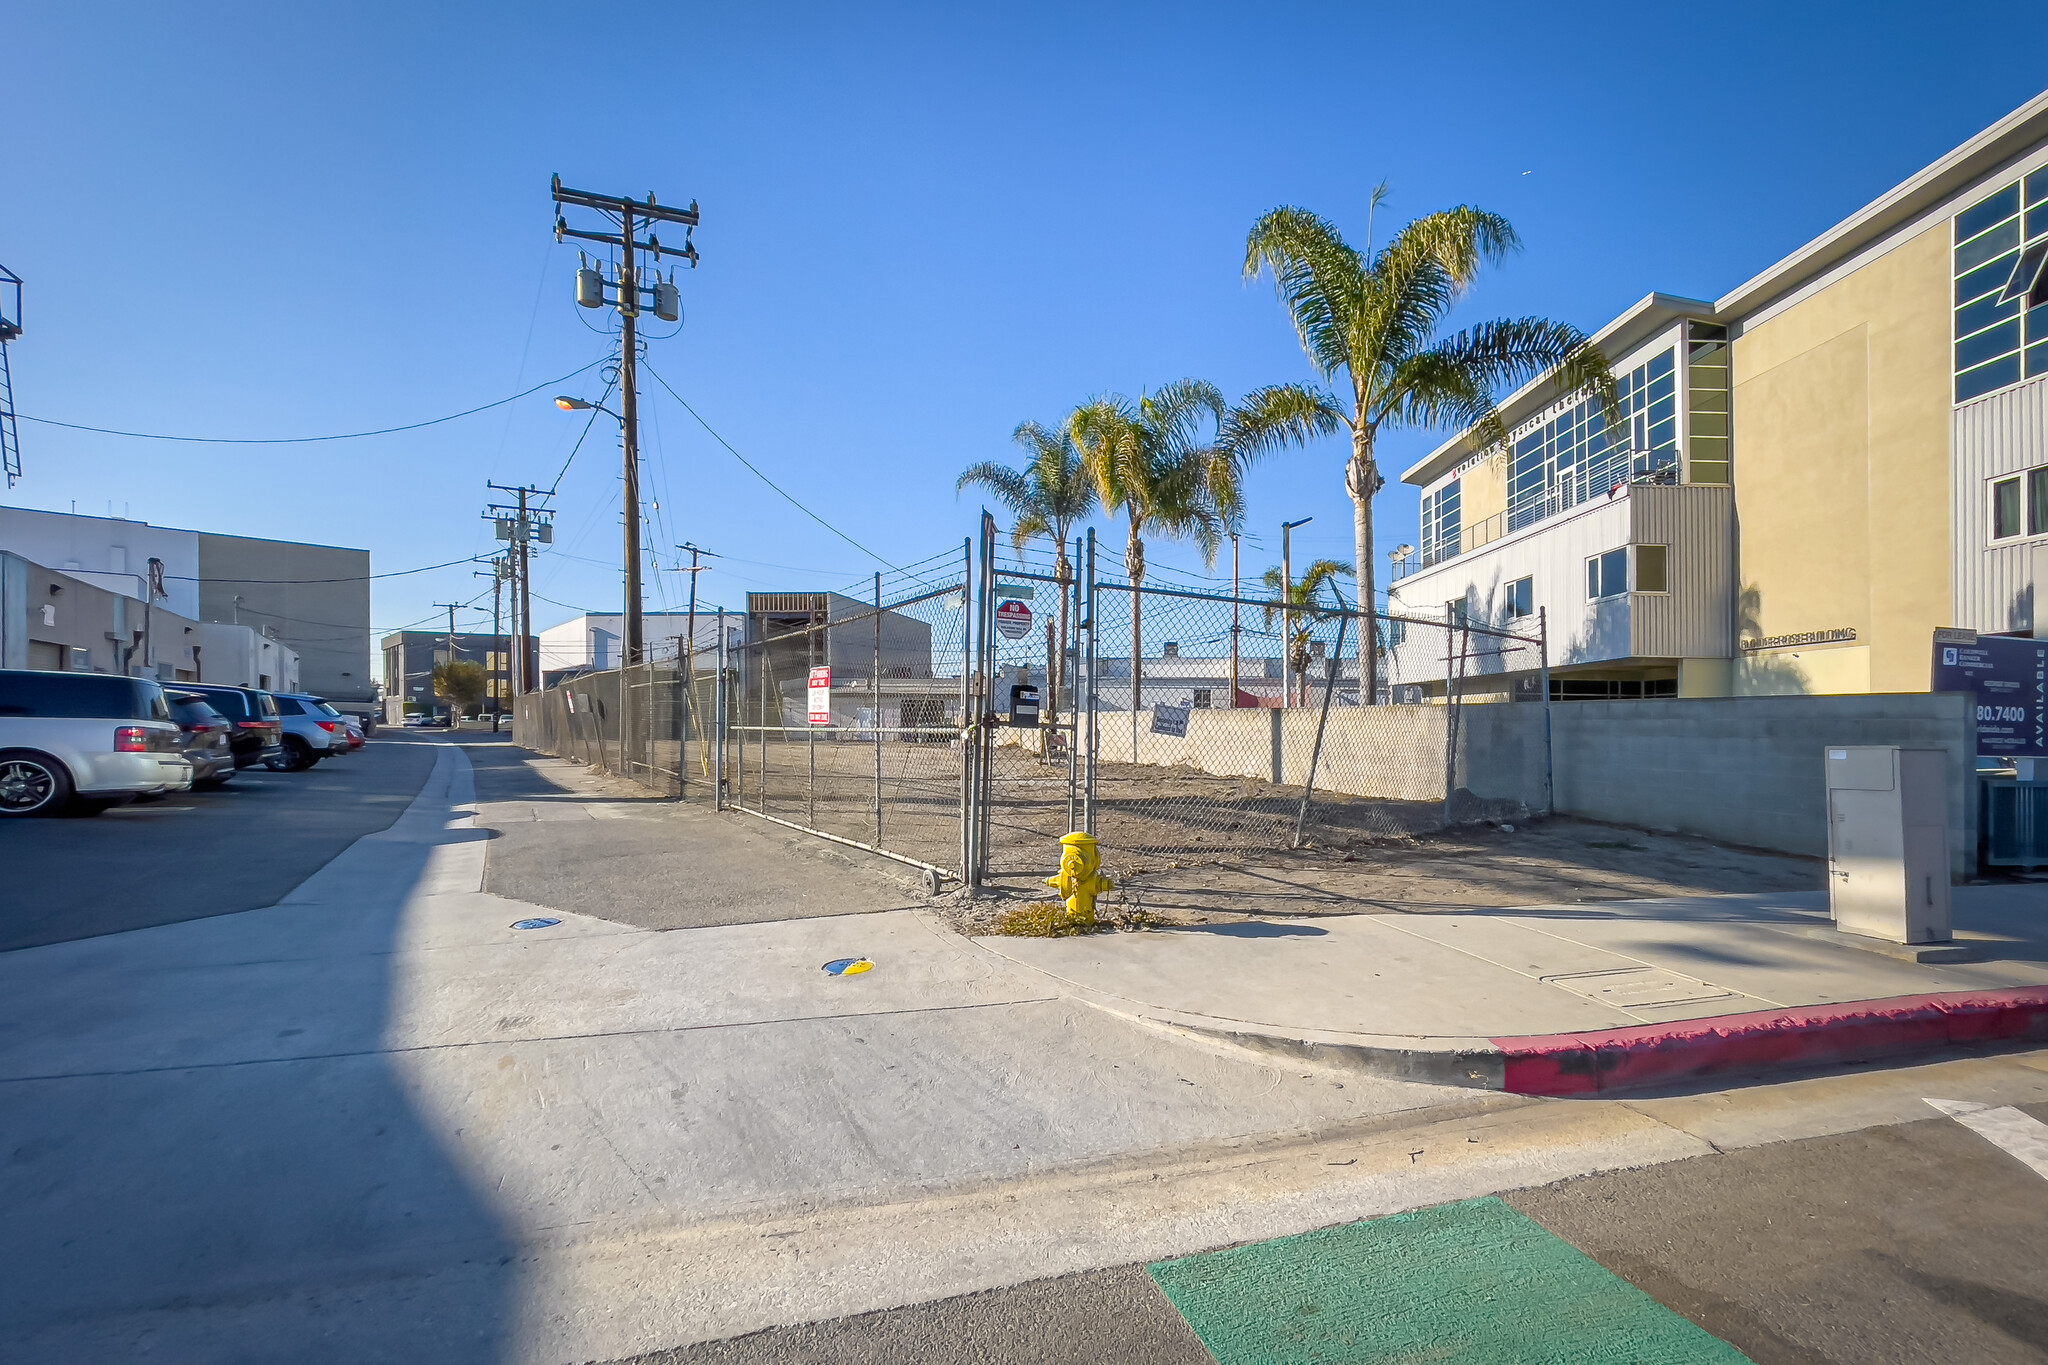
(763, 477)
(354, 578)
(302, 440)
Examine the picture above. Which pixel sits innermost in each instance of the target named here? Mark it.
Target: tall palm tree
(1374, 319)
(1050, 496)
(1159, 461)
(1303, 610)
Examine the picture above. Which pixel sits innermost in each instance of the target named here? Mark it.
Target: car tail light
(326, 725)
(131, 739)
(257, 724)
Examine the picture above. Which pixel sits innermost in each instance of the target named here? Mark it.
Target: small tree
(460, 683)
(1303, 611)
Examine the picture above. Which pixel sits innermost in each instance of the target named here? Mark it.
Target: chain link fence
(961, 716)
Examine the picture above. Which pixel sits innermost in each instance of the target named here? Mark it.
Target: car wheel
(32, 784)
(295, 757)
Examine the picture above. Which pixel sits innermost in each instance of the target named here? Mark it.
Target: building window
(2037, 501)
(1441, 524)
(1521, 598)
(2001, 298)
(1653, 568)
(1706, 384)
(1202, 698)
(1573, 457)
(2005, 509)
(1396, 633)
(1607, 575)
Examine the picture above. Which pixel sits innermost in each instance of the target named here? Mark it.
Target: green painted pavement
(1473, 1283)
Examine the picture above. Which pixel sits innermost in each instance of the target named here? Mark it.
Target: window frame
(1636, 567)
(1514, 611)
(1596, 575)
(2017, 483)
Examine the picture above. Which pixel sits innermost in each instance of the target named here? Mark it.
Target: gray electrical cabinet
(1888, 842)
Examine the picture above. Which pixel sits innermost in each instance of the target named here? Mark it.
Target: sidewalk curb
(1804, 1035)
(1568, 1064)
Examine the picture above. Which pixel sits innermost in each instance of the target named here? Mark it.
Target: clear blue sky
(921, 225)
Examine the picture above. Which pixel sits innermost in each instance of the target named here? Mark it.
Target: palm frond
(1318, 275)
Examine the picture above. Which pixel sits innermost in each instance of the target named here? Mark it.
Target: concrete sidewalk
(1437, 996)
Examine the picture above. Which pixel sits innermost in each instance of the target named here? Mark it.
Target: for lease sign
(2009, 677)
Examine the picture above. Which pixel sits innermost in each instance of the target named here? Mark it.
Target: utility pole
(629, 215)
(1286, 612)
(452, 608)
(524, 524)
(497, 577)
(690, 631)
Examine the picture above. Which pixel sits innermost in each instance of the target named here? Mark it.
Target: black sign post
(2009, 677)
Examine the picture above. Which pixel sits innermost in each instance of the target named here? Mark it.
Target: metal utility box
(1024, 706)
(1888, 842)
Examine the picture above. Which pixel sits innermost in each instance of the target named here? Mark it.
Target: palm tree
(1304, 612)
(1160, 463)
(1374, 319)
(1050, 496)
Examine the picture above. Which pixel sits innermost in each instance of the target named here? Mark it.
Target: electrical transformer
(1888, 842)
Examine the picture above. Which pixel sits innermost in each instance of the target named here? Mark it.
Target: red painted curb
(1611, 1059)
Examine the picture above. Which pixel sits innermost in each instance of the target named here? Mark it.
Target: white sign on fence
(821, 696)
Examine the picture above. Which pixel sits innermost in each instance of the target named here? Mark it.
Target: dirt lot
(1198, 842)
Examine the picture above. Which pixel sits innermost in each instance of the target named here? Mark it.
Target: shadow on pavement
(212, 1152)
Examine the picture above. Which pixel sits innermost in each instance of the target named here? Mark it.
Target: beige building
(1818, 470)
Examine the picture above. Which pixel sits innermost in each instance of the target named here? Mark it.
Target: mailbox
(1024, 706)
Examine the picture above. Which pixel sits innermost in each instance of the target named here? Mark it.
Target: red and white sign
(821, 696)
(1013, 619)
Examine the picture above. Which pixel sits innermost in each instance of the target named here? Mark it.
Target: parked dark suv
(209, 737)
(258, 735)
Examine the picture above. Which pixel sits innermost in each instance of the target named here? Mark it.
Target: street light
(568, 404)
(1286, 616)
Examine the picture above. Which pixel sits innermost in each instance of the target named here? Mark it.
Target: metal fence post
(717, 720)
(1450, 713)
(1543, 670)
(877, 716)
(1072, 678)
(966, 711)
(1090, 624)
(1315, 754)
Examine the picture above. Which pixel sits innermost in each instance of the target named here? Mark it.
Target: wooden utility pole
(631, 215)
(526, 521)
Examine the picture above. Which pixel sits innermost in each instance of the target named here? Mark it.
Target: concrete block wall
(1393, 752)
(1743, 770)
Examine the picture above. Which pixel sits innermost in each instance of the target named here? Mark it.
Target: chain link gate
(1027, 767)
(846, 718)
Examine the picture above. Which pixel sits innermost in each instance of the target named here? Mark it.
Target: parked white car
(84, 742)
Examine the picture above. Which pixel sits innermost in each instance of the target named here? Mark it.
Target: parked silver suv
(84, 742)
(313, 730)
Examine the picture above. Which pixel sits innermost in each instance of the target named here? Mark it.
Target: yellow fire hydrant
(1081, 879)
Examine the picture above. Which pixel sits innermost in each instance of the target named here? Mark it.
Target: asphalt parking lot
(200, 853)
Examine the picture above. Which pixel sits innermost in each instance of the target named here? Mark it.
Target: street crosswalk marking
(1470, 1283)
(2017, 1134)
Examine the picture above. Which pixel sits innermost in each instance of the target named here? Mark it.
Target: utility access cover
(1630, 988)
